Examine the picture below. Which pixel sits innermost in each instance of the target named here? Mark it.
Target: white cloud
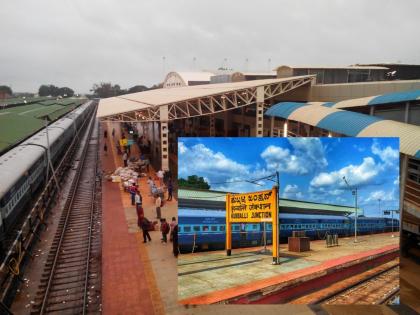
(382, 195)
(356, 175)
(221, 172)
(388, 155)
(292, 192)
(307, 155)
(202, 160)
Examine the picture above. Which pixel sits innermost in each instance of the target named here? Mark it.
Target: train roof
(191, 212)
(18, 160)
(212, 199)
(22, 120)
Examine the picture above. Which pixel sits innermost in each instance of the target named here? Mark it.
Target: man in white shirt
(160, 176)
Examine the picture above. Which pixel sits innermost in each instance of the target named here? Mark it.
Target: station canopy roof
(190, 101)
(212, 199)
(350, 123)
(388, 98)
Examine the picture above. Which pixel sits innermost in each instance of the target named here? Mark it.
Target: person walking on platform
(158, 204)
(125, 159)
(138, 199)
(160, 176)
(164, 228)
(113, 132)
(145, 224)
(175, 241)
(105, 134)
(150, 183)
(170, 188)
(105, 149)
(172, 225)
(133, 190)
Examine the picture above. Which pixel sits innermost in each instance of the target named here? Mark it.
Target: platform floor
(137, 278)
(211, 275)
(142, 278)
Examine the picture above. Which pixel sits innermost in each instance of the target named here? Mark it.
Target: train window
(196, 228)
(235, 228)
(187, 228)
(222, 228)
(205, 228)
(213, 228)
(255, 227)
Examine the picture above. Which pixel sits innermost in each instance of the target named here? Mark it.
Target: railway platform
(248, 277)
(137, 278)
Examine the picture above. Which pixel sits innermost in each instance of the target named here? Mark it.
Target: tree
(193, 181)
(52, 90)
(106, 89)
(137, 88)
(4, 89)
(65, 92)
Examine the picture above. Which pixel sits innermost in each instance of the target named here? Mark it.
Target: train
(206, 229)
(23, 169)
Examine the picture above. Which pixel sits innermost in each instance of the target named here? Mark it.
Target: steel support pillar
(259, 126)
(164, 152)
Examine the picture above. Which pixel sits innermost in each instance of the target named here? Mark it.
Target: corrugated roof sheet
(340, 122)
(285, 109)
(211, 195)
(409, 134)
(351, 124)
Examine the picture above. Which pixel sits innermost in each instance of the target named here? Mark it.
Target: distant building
(331, 74)
(178, 79)
(241, 76)
(399, 71)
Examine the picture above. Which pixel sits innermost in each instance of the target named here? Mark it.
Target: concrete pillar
(285, 129)
(212, 126)
(372, 111)
(272, 126)
(164, 141)
(259, 126)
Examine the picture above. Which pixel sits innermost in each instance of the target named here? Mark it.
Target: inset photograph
(288, 220)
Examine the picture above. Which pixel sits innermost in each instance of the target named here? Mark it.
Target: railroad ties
(70, 283)
(377, 290)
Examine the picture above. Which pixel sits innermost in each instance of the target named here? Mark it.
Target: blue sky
(311, 169)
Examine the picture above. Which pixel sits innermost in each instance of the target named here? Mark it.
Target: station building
(289, 105)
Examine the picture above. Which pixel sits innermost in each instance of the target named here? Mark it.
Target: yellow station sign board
(251, 207)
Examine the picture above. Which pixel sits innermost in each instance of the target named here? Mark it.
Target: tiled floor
(202, 274)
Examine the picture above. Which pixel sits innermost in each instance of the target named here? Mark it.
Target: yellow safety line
(158, 307)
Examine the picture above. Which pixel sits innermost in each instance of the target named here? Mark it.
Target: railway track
(377, 290)
(70, 283)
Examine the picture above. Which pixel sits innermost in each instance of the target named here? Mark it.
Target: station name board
(251, 207)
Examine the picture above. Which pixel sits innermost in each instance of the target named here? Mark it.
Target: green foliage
(106, 89)
(137, 88)
(52, 90)
(6, 89)
(193, 181)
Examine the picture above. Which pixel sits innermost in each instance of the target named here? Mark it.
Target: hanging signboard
(260, 206)
(252, 207)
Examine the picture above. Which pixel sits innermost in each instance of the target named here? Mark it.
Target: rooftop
(19, 122)
(213, 199)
